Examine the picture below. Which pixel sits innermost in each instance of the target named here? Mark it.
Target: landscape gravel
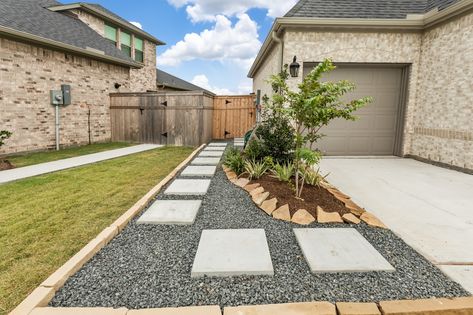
(149, 265)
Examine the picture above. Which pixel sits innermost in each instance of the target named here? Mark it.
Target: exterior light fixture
(117, 85)
(294, 68)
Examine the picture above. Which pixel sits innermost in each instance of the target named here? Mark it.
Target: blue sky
(217, 40)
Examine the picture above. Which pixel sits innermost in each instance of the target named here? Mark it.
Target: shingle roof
(168, 80)
(33, 17)
(365, 9)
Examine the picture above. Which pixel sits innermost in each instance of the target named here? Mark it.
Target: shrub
(283, 172)
(4, 135)
(255, 169)
(276, 134)
(254, 150)
(234, 160)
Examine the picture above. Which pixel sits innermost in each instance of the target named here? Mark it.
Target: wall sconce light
(294, 68)
(117, 85)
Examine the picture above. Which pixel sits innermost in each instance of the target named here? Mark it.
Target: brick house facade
(33, 64)
(434, 48)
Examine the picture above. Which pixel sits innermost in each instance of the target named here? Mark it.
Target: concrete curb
(43, 294)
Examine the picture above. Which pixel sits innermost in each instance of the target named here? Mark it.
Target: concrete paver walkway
(431, 208)
(54, 166)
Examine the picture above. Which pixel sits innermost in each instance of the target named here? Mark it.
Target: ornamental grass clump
(235, 161)
(283, 172)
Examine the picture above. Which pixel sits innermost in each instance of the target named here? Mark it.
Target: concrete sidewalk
(431, 208)
(49, 167)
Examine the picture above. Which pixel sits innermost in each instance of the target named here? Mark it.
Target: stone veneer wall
(443, 116)
(439, 107)
(29, 72)
(269, 66)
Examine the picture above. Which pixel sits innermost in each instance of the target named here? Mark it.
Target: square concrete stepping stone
(218, 149)
(223, 253)
(188, 187)
(339, 250)
(200, 170)
(171, 212)
(205, 161)
(211, 154)
(217, 144)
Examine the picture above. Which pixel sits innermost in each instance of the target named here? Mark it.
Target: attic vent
(97, 51)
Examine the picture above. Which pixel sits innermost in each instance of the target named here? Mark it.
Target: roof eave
(95, 54)
(128, 26)
(409, 24)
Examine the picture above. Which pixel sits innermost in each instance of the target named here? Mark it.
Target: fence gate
(174, 118)
(233, 116)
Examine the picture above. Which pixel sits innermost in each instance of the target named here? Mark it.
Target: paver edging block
(190, 310)
(444, 306)
(43, 294)
(79, 311)
(39, 297)
(302, 308)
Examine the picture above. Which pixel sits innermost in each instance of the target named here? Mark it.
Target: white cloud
(137, 24)
(202, 81)
(237, 43)
(207, 10)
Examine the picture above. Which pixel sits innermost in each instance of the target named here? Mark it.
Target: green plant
(234, 160)
(283, 172)
(256, 169)
(254, 150)
(4, 135)
(276, 133)
(311, 107)
(313, 177)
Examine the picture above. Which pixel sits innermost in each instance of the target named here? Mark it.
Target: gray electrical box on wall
(56, 97)
(66, 94)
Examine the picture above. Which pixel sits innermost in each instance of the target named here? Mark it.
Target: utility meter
(56, 97)
(66, 94)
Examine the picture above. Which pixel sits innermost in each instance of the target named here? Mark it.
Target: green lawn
(44, 220)
(47, 156)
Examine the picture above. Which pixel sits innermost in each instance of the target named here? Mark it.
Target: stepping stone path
(188, 187)
(339, 250)
(232, 252)
(218, 149)
(217, 144)
(238, 142)
(201, 170)
(211, 154)
(171, 212)
(205, 161)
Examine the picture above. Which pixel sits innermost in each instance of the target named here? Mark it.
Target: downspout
(278, 40)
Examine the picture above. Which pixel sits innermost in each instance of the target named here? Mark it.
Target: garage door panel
(374, 132)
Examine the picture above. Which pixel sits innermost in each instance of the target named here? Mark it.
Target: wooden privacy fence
(179, 118)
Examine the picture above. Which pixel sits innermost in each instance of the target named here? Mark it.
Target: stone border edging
(43, 294)
(434, 306)
(302, 216)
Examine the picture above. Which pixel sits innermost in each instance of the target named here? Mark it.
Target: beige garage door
(374, 132)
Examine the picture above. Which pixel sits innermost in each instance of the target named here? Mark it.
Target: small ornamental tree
(312, 107)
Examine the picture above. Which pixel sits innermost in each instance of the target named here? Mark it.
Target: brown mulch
(312, 197)
(5, 165)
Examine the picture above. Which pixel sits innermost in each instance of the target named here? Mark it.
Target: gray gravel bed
(149, 265)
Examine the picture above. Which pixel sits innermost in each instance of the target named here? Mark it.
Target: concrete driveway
(429, 207)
